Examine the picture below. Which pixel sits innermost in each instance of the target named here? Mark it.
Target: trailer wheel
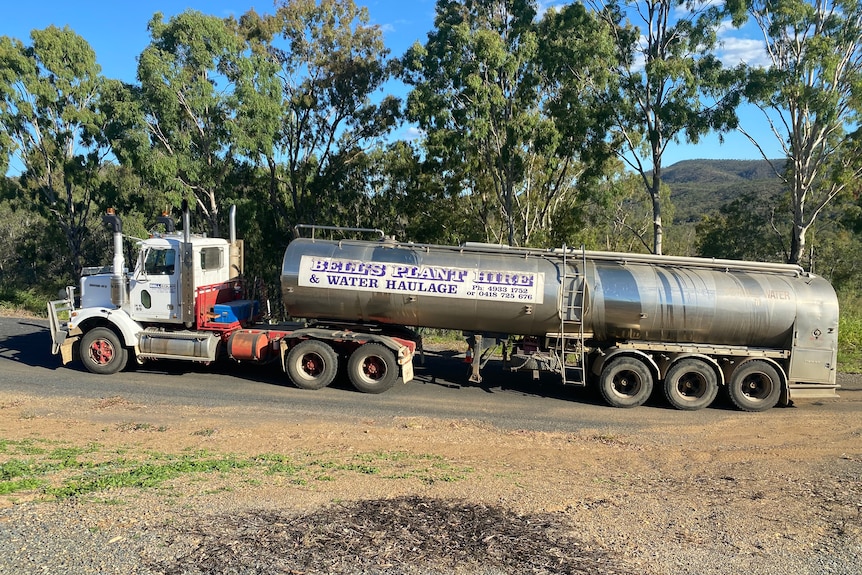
(690, 384)
(102, 351)
(311, 364)
(626, 382)
(372, 368)
(755, 386)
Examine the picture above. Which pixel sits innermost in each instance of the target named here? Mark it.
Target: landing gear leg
(475, 343)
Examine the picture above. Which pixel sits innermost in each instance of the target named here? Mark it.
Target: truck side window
(211, 258)
(160, 261)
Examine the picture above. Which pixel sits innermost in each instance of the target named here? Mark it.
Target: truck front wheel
(372, 368)
(311, 364)
(626, 382)
(102, 351)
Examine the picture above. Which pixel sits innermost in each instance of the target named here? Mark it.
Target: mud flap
(407, 372)
(67, 349)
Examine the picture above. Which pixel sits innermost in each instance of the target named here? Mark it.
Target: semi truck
(765, 333)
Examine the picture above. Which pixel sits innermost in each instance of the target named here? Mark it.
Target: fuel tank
(615, 296)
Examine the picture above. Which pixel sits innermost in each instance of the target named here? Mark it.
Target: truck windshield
(160, 261)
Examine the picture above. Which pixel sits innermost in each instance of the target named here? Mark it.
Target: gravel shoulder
(778, 492)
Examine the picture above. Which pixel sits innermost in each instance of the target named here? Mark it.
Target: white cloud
(741, 45)
(411, 133)
(542, 6)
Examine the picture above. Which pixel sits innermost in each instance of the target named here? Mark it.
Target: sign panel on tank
(445, 281)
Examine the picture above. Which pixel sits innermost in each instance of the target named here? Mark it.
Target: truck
(629, 324)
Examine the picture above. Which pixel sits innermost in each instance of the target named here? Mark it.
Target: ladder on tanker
(570, 343)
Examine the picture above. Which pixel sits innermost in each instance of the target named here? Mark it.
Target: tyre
(372, 368)
(690, 384)
(755, 386)
(311, 364)
(102, 351)
(626, 382)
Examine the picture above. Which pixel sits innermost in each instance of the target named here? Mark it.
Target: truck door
(153, 291)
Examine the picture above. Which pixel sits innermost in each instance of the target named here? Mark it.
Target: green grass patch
(17, 486)
(850, 334)
(454, 338)
(59, 471)
(277, 463)
(145, 475)
(24, 302)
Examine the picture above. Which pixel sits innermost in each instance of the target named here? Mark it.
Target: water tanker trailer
(627, 323)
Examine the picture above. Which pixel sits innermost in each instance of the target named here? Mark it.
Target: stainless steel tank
(517, 291)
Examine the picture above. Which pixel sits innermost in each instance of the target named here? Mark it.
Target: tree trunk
(797, 244)
(510, 217)
(655, 193)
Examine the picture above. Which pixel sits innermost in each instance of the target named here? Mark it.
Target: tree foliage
(748, 228)
(499, 123)
(51, 128)
(330, 65)
(670, 86)
(187, 76)
(535, 128)
(810, 95)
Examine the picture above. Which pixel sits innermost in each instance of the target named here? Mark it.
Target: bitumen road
(439, 390)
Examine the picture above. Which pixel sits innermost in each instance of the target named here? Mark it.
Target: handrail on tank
(314, 227)
(715, 263)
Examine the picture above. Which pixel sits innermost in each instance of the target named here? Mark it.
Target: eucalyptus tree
(50, 129)
(411, 202)
(474, 94)
(188, 108)
(617, 216)
(750, 227)
(670, 87)
(331, 66)
(576, 60)
(480, 90)
(811, 96)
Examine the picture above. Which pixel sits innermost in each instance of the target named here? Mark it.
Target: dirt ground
(771, 492)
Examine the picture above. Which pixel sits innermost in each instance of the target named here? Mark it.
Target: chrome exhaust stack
(118, 280)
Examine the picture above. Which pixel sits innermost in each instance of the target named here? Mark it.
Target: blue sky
(117, 31)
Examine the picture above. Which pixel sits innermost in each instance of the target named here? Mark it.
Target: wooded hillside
(701, 187)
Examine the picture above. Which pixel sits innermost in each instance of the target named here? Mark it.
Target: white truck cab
(155, 285)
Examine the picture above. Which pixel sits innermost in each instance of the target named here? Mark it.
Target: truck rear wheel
(690, 384)
(626, 382)
(755, 386)
(102, 351)
(372, 368)
(311, 364)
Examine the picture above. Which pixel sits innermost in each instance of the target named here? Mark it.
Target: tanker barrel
(711, 263)
(616, 296)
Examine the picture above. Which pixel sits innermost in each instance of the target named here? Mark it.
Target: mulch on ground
(409, 535)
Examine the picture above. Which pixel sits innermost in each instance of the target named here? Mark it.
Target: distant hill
(699, 187)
